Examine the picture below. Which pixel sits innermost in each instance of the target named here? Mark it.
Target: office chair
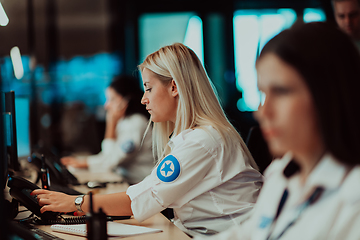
(258, 148)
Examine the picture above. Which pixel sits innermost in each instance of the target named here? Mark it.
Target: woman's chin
(276, 149)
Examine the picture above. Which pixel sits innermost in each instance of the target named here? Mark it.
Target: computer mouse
(96, 184)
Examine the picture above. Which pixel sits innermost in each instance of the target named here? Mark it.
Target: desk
(170, 231)
(85, 176)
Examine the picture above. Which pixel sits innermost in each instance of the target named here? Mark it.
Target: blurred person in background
(347, 16)
(122, 149)
(309, 79)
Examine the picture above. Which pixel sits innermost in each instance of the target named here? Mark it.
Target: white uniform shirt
(124, 153)
(334, 215)
(209, 187)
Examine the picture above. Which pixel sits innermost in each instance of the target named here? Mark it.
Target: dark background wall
(50, 32)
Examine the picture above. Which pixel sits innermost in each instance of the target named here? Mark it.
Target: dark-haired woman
(126, 122)
(310, 78)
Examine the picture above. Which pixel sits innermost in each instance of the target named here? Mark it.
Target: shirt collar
(181, 136)
(178, 138)
(328, 173)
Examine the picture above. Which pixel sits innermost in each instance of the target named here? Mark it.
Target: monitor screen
(22, 111)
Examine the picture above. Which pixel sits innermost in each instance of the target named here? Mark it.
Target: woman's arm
(110, 127)
(116, 204)
(74, 162)
(112, 118)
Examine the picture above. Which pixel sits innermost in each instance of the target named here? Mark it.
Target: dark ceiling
(53, 29)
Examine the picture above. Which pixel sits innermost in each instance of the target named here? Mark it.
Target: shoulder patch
(169, 169)
(128, 146)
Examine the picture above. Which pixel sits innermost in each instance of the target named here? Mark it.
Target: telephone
(20, 189)
(57, 171)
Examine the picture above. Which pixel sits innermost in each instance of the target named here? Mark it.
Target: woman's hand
(112, 118)
(74, 162)
(115, 110)
(113, 115)
(55, 201)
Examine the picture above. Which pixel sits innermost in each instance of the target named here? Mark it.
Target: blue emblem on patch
(128, 146)
(265, 222)
(169, 169)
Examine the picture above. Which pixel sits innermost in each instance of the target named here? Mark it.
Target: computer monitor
(3, 169)
(14, 132)
(9, 117)
(3, 145)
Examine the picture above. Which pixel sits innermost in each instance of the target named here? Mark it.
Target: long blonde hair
(198, 104)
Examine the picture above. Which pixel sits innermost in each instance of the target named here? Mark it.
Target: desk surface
(158, 221)
(115, 185)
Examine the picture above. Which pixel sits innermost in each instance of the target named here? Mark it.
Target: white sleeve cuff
(143, 205)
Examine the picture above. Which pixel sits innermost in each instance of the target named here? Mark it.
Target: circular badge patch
(169, 169)
(128, 146)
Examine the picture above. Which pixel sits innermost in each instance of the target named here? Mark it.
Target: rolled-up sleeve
(152, 195)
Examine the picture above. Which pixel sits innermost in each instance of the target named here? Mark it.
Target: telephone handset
(20, 189)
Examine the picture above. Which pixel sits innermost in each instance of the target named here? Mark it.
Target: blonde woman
(204, 170)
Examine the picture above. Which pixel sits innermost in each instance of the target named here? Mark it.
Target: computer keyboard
(42, 234)
(28, 231)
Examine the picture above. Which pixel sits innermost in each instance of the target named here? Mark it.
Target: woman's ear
(174, 90)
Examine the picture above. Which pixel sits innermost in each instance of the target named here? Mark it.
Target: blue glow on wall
(194, 37)
(252, 30)
(314, 15)
(79, 79)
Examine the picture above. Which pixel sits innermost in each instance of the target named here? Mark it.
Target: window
(252, 30)
(160, 29)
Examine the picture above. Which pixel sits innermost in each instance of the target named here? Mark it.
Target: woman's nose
(264, 111)
(106, 106)
(144, 100)
(257, 114)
